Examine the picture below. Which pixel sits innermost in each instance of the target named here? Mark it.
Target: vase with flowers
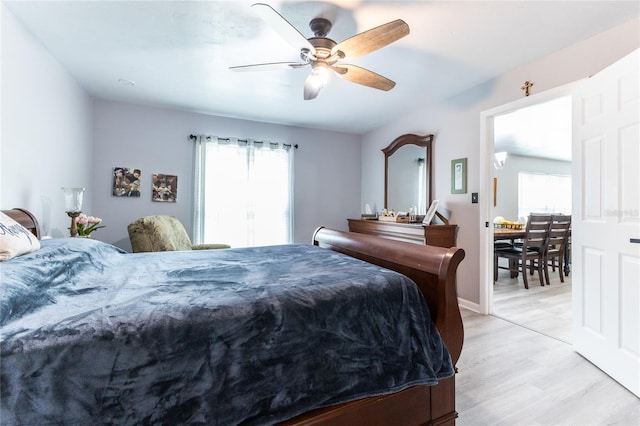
(87, 224)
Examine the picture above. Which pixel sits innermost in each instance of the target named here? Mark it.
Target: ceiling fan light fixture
(499, 159)
(323, 53)
(320, 74)
(317, 80)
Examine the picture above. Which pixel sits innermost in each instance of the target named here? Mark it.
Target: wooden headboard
(26, 219)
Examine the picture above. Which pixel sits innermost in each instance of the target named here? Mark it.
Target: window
(543, 193)
(243, 192)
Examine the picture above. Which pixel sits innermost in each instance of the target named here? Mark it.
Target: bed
(351, 329)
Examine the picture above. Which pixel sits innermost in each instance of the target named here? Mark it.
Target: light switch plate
(474, 198)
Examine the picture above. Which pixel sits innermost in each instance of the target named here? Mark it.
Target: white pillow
(15, 239)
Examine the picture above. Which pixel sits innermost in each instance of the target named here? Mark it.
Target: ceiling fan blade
(365, 77)
(372, 40)
(287, 31)
(268, 66)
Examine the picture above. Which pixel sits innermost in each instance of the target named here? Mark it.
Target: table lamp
(73, 206)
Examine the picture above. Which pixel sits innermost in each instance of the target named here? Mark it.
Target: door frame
(486, 184)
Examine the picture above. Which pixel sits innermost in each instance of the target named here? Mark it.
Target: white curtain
(243, 192)
(543, 193)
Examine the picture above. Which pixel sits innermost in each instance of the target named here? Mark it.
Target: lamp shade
(499, 159)
(73, 199)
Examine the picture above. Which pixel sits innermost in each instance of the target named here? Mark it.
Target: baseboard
(469, 305)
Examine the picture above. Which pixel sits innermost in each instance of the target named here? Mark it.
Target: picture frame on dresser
(430, 213)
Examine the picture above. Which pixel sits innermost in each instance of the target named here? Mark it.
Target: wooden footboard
(433, 269)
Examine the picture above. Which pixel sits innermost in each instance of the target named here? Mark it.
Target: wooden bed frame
(26, 219)
(433, 269)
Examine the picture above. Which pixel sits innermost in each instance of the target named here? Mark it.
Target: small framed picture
(430, 213)
(126, 182)
(459, 176)
(164, 188)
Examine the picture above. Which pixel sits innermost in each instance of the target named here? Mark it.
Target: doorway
(533, 174)
(605, 314)
(507, 298)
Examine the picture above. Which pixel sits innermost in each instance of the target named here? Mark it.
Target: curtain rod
(194, 137)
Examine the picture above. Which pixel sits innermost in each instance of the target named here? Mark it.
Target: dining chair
(556, 242)
(501, 245)
(532, 250)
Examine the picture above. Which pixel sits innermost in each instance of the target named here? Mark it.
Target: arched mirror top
(408, 139)
(404, 184)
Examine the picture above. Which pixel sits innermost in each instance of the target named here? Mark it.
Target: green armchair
(163, 233)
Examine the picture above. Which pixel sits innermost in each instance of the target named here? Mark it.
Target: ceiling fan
(322, 53)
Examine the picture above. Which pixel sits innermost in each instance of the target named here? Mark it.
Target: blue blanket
(93, 335)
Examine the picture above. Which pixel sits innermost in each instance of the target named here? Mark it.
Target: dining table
(508, 234)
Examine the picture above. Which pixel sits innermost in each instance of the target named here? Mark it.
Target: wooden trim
(417, 405)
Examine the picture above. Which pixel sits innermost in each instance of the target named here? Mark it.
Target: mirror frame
(425, 141)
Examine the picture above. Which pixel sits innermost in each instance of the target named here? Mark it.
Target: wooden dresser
(433, 235)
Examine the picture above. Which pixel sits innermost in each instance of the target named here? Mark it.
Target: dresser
(433, 235)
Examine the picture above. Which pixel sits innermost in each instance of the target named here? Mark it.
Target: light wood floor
(511, 375)
(518, 367)
(544, 309)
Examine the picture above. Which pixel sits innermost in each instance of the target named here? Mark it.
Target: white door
(606, 221)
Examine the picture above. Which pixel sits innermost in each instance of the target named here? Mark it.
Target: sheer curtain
(243, 192)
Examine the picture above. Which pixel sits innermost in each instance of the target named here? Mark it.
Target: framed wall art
(164, 188)
(126, 182)
(459, 176)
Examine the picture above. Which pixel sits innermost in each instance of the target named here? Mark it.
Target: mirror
(407, 173)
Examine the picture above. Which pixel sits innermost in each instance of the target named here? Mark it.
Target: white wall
(507, 185)
(456, 126)
(48, 140)
(45, 140)
(327, 166)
